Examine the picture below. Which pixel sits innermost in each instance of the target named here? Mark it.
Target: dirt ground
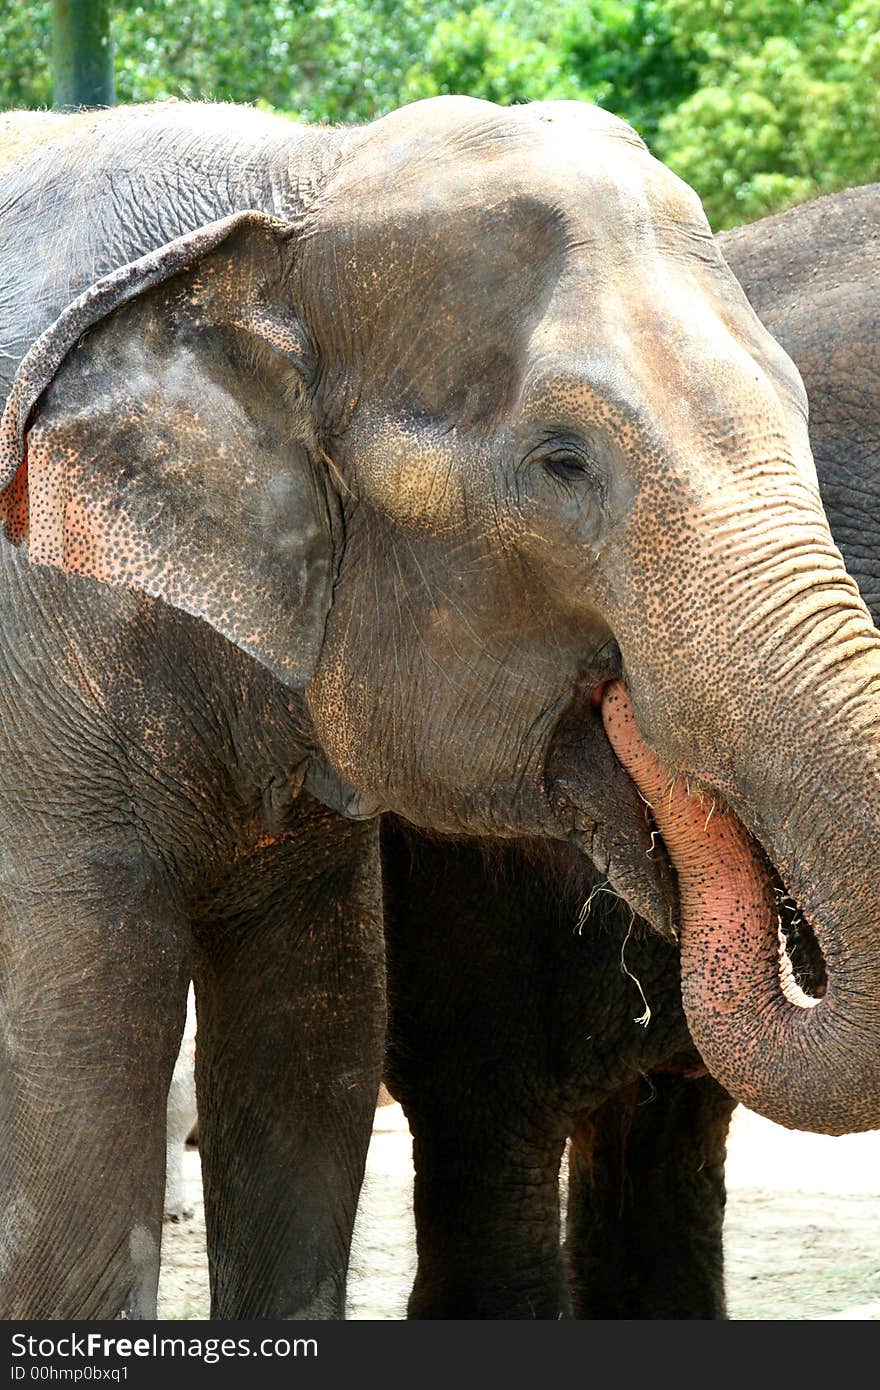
(802, 1234)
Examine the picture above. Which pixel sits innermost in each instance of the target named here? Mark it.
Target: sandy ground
(802, 1234)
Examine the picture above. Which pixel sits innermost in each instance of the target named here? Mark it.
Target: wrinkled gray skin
(513, 1030)
(480, 422)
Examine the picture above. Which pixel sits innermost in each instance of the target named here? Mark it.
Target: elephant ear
(158, 436)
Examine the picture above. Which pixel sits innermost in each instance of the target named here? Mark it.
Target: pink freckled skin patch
(14, 506)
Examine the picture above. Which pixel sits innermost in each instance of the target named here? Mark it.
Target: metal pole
(82, 54)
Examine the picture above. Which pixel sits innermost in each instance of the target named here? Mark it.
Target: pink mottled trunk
(806, 1063)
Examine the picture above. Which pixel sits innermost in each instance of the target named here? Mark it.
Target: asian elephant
(437, 467)
(518, 1021)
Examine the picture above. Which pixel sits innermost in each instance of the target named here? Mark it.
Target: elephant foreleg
(646, 1201)
(94, 964)
(289, 976)
(487, 1215)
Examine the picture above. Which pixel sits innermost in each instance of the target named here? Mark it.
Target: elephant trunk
(793, 789)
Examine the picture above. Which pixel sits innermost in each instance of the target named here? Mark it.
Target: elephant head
(490, 429)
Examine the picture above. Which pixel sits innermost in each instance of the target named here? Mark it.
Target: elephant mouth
(602, 813)
(725, 876)
(608, 818)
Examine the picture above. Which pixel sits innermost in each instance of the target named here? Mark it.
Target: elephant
(514, 1025)
(437, 467)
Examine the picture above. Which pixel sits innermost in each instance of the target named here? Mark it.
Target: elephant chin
(759, 1033)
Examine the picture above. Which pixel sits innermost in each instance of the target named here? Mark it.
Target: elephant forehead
(484, 208)
(450, 152)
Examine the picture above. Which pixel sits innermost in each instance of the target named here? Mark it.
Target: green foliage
(484, 55)
(788, 104)
(25, 53)
(625, 55)
(757, 103)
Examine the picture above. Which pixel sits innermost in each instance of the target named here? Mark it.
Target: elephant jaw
(597, 803)
(758, 1032)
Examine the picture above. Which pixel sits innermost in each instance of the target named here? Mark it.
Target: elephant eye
(571, 466)
(568, 467)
